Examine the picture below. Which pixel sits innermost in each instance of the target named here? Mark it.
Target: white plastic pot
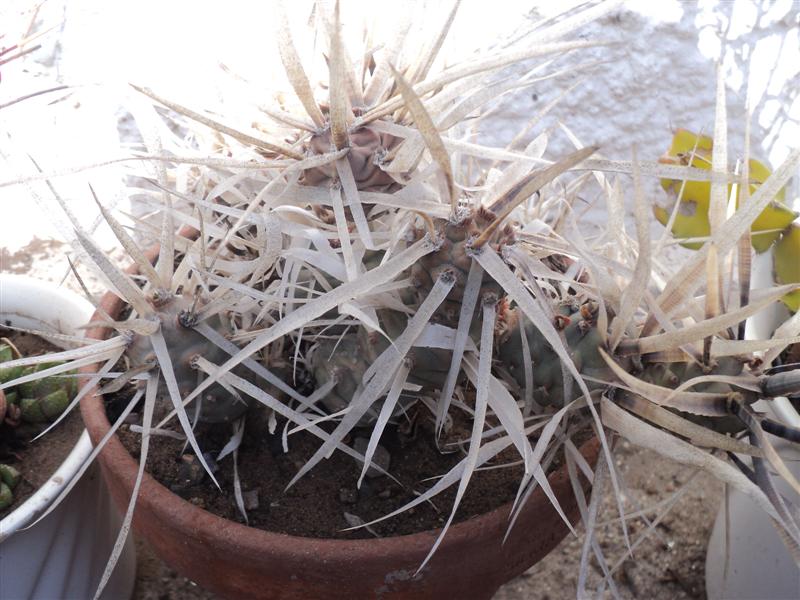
(758, 563)
(64, 555)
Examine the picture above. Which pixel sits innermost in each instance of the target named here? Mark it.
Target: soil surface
(670, 565)
(327, 500)
(36, 461)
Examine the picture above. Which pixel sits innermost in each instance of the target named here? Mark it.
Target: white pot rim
(29, 302)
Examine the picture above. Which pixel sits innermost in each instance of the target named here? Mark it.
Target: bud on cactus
(344, 360)
(347, 359)
(579, 325)
(9, 478)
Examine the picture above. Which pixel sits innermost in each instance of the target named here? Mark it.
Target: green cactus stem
(579, 327)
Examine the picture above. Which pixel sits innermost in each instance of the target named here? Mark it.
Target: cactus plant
(382, 254)
(28, 405)
(35, 400)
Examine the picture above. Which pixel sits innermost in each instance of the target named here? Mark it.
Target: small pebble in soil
(381, 457)
(190, 473)
(275, 444)
(348, 495)
(356, 521)
(366, 491)
(250, 498)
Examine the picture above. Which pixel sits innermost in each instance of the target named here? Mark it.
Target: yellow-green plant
(772, 230)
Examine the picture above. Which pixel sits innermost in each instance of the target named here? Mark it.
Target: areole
(236, 561)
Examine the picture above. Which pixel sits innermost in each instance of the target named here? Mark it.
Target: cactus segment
(787, 264)
(6, 496)
(453, 254)
(579, 326)
(39, 401)
(367, 150)
(691, 220)
(583, 338)
(46, 408)
(6, 354)
(184, 344)
(10, 476)
(344, 360)
(41, 387)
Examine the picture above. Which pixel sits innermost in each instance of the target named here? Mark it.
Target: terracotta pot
(236, 561)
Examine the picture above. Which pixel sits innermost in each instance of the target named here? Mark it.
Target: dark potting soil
(35, 460)
(326, 500)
